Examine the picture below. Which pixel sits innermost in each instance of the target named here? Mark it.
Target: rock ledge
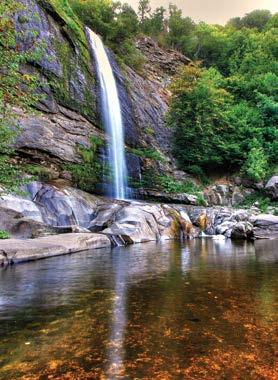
(17, 250)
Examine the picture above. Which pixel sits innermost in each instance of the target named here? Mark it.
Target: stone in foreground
(16, 250)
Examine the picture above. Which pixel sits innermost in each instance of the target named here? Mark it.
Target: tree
(181, 31)
(155, 24)
(256, 19)
(144, 10)
(199, 115)
(256, 164)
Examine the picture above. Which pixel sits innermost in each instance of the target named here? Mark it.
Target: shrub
(256, 164)
(4, 235)
(88, 174)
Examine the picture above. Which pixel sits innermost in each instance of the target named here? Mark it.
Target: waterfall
(111, 115)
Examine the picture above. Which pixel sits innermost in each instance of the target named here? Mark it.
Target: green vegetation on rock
(17, 89)
(4, 235)
(88, 173)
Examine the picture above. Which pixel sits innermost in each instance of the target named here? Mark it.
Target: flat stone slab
(19, 250)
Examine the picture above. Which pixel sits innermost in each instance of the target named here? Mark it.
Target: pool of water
(202, 309)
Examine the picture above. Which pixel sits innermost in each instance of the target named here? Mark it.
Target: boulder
(265, 226)
(225, 228)
(62, 207)
(272, 187)
(242, 231)
(137, 222)
(15, 250)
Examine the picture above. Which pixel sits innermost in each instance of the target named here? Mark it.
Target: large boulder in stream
(265, 226)
(136, 222)
(242, 231)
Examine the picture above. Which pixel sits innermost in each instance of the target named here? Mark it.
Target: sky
(214, 11)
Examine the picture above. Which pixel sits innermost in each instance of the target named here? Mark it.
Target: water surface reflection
(199, 310)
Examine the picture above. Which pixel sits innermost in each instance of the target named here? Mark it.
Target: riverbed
(202, 309)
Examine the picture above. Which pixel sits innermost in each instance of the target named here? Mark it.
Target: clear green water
(202, 309)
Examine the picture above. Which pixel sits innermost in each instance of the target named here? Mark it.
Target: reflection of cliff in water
(145, 310)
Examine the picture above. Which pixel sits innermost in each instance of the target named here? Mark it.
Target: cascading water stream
(111, 115)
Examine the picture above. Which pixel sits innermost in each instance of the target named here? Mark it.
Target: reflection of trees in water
(151, 309)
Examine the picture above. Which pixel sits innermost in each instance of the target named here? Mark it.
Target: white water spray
(111, 115)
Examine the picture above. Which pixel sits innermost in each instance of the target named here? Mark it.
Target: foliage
(117, 23)
(4, 235)
(17, 88)
(87, 174)
(257, 19)
(165, 183)
(255, 166)
(261, 200)
(150, 153)
(169, 185)
(218, 113)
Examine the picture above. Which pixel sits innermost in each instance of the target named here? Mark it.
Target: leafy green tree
(117, 23)
(256, 19)
(198, 114)
(144, 10)
(181, 31)
(156, 23)
(256, 163)
(97, 14)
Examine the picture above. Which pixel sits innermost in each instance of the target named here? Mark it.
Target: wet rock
(46, 205)
(128, 116)
(63, 207)
(105, 216)
(265, 226)
(272, 187)
(242, 231)
(137, 222)
(225, 228)
(133, 164)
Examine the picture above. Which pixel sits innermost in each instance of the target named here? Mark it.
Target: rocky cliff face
(150, 97)
(65, 61)
(69, 110)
